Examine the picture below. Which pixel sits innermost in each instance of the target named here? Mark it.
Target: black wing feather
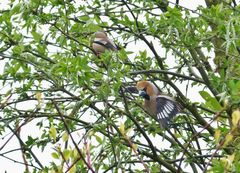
(166, 110)
(105, 44)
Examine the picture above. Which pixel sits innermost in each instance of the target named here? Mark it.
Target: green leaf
(18, 49)
(36, 36)
(211, 102)
(53, 133)
(65, 136)
(66, 154)
(205, 95)
(55, 155)
(99, 139)
(214, 104)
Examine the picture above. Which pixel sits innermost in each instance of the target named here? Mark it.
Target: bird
(101, 43)
(161, 107)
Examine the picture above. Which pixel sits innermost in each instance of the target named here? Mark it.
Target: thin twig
(166, 72)
(75, 144)
(197, 134)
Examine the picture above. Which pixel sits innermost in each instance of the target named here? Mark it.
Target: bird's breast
(150, 106)
(98, 48)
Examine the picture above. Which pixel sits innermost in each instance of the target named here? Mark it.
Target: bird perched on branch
(101, 43)
(161, 107)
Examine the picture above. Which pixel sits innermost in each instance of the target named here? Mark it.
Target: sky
(31, 129)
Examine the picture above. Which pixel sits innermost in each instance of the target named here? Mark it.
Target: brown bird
(161, 107)
(101, 43)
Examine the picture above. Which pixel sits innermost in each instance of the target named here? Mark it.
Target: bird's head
(146, 89)
(100, 34)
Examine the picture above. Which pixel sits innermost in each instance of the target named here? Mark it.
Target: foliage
(58, 98)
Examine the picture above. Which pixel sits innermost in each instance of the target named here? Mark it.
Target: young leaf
(228, 139)
(235, 118)
(55, 155)
(53, 133)
(66, 154)
(217, 135)
(65, 136)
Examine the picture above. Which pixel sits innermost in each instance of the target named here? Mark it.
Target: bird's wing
(106, 43)
(113, 44)
(166, 109)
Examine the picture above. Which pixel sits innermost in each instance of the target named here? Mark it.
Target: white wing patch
(166, 109)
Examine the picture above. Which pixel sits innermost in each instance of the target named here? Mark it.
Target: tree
(53, 82)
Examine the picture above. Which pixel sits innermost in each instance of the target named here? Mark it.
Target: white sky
(31, 129)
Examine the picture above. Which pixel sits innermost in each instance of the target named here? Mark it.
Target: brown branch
(203, 73)
(75, 144)
(22, 163)
(154, 156)
(18, 131)
(75, 162)
(196, 135)
(70, 37)
(25, 147)
(63, 157)
(87, 148)
(166, 72)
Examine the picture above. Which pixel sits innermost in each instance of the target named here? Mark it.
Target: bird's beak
(131, 89)
(144, 94)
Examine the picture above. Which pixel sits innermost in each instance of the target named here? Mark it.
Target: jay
(101, 43)
(161, 107)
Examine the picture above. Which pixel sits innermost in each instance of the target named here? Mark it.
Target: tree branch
(75, 144)
(166, 72)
